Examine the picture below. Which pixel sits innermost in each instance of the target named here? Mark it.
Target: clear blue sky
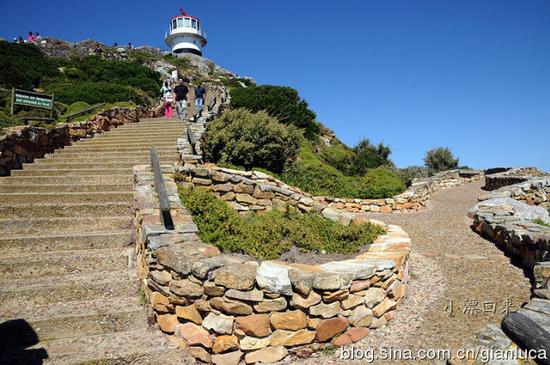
(471, 75)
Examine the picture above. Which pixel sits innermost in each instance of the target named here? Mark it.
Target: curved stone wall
(226, 309)
(496, 178)
(256, 191)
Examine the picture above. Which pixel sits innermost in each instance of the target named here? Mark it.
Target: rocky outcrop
(510, 176)
(223, 306)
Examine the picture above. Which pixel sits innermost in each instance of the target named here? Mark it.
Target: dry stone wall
(226, 309)
(505, 216)
(510, 176)
(256, 191)
(26, 143)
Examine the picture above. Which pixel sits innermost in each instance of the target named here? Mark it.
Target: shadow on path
(15, 338)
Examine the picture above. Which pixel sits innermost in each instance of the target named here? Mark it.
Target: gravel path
(450, 264)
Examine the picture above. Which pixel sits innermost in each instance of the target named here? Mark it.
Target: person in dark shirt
(181, 92)
(200, 92)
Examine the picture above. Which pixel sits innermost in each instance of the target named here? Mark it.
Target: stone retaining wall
(255, 191)
(226, 309)
(510, 176)
(26, 143)
(506, 217)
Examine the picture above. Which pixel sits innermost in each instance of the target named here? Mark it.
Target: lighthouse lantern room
(186, 34)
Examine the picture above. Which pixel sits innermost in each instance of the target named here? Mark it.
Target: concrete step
(73, 172)
(117, 149)
(142, 346)
(67, 180)
(66, 188)
(88, 165)
(146, 134)
(66, 198)
(58, 263)
(105, 285)
(127, 143)
(106, 156)
(67, 210)
(122, 138)
(47, 226)
(114, 319)
(34, 243)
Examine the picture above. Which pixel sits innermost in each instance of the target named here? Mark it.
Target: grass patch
(540, 222)
(269, 235)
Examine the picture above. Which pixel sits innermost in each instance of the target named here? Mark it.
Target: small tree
(369, 156)
(440, 159)
(240, 137)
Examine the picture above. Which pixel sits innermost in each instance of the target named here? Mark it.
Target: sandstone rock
(360, 316)
(189, 313)
(246, 199)
(195, 335)
(378, 322)
(201, 305)
(225, 343)
(160, 302)
(202, 268)
(249, 296)
(257, 325)
(200, 354)
(313, 323)
(373, 296)
(329, 328)
(248, 343)
(332, 281)
(212, 290)
(396, 290)
(302, 281)
(228, 306)
(299, 301)
(231, 358)
(240, 277)
(267, 355)
(168, 322)
(175, 258)
(303, 351)
(260, 194)
(352, 301)
(274, 278)
(222, 188)
(186, 288)
(291, 320)
(290, 338)
(162, 277)
(271, 305)
(325, 310)
(218, 323)
(243, 188)
(329, 297)
(386, 305)
(359, 285)
(350, 336)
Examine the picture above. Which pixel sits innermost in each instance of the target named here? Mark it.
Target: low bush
(381, 183)
(96, 92)
(240, 137)
(368, 156)
(408, 174)
(280, 102)
(440, 159)
(269, 235)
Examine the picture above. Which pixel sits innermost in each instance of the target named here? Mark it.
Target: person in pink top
(31, 37)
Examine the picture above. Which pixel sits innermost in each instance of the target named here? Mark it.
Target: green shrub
(78, 106)
(381, 183)
(239, 137)
(24, 66)
(407, 174)
(440, 159)
(369, 156)
(269, 235)
(280, 102)
(95, 93)
(540, 222)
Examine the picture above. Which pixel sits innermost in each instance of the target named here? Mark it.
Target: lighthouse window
(174, 24)
(194, 23)
(180, 23)
(187, 22)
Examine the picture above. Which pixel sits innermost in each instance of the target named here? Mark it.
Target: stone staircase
(68, 290)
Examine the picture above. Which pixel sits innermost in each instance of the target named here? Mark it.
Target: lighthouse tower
(185, 34)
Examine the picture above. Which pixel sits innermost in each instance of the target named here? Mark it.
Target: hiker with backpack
(199, 98)
(181, 92)
(168, 97)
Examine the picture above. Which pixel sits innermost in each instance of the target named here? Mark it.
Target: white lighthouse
(186, 34)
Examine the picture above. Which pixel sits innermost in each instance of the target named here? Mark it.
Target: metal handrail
(84, 111)
(165, 215)
(192, 140)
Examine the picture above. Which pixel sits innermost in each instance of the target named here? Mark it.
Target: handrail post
(191, 139)
(165, 215)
